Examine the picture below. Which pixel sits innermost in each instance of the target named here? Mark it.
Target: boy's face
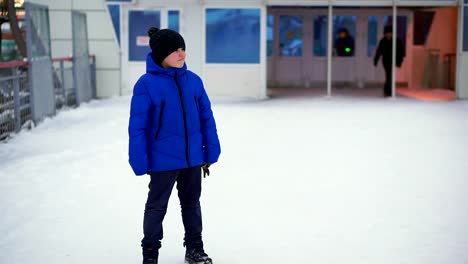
(175, 60)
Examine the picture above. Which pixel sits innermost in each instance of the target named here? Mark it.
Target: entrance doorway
(433, 49)
(297, 58)
(298, 46)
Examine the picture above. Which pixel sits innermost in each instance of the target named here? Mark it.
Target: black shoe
(150, 255)
(196, 255)
(150, 261)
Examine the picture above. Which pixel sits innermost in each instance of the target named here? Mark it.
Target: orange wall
(442, 37)
(443, 34)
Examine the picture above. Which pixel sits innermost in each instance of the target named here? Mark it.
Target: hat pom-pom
(152, 31)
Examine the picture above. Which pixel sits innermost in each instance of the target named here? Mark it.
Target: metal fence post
(93, 76)
(75, 83)
(16, 100)
(62, 82)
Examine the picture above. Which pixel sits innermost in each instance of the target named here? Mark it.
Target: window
(320, 36)
(270, 28)
(290, 36)
(114, 11)
(138, 41)
(401, 27)
(344, 32)
(233, 35)
(372, 27)
(173, 20)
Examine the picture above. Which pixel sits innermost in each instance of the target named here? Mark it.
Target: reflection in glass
(114, 11)
(173, 20)
(344, 30)
(372, 25)
(41, 39)
(290, 36)
(401, 27)
(270, 28)
(139, 23)
(233, 35)
(320, 36)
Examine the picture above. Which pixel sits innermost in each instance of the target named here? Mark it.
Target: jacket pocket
(196, 103)
(161, 112)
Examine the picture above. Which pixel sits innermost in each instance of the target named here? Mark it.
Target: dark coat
(341, 44)
(385, 50)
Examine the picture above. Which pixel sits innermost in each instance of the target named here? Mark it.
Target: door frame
(309, 59)
(134, 69)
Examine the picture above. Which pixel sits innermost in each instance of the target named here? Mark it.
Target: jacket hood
(152, 67)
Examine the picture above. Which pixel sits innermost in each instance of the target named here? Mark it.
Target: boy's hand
(206, 171)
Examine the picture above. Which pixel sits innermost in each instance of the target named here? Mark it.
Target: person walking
(385, 49)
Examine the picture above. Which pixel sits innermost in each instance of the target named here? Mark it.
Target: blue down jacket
(171, 123)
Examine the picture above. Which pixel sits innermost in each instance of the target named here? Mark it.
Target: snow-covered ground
(300, 180)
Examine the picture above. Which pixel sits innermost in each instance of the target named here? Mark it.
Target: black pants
(388, 80)
(189, 191)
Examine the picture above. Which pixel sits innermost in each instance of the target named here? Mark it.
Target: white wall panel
(60, 23)
(105, 29)
(108, 83)
(54, 4)
(233, 80)
(88, 4)
(109, 57)
(61, 48)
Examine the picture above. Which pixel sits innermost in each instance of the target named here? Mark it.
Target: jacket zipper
(196, 103)
(163, 104)
(185, 120)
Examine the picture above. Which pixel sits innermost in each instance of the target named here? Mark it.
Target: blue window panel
(114, 11)
(174, 20)
(465, 29)
(139, 23)
(402, 27)
(270, 33)
(320, 36)
(233, 35)
(372, 28)
(344, 46)
(290, 36)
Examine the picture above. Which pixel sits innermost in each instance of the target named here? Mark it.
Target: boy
(172, 137)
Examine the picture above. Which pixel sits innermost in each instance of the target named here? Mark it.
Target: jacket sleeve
(212, 148)
(378, 53)
(137, 129)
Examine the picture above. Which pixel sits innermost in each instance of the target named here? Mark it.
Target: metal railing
(15, 108)
(15, 95)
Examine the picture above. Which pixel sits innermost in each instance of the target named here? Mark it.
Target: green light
(348, 50)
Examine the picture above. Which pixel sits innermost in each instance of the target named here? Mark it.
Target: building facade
(242, 48)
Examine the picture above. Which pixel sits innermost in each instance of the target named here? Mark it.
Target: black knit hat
(388, 29)
(163, 42)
